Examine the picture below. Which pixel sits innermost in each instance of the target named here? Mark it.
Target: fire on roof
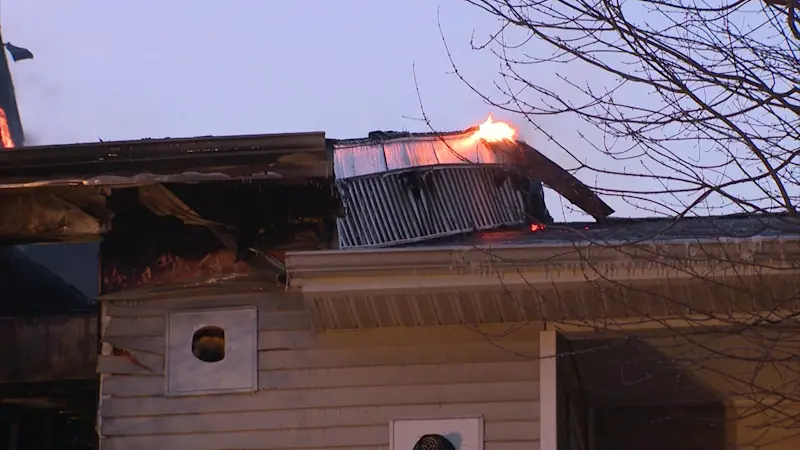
(193, 212)
(399, 188)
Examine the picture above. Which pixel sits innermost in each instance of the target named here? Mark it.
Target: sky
(127, 70)
(116, 70)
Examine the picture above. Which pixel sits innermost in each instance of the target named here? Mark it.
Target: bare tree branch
(689, 107)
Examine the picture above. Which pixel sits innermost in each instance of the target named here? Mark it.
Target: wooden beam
(555, 177)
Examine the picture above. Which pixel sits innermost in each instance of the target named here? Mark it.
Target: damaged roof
(385, 151)
(303, 155)
(149, 161)
(389, 151)
(162, 225)
(203, 210)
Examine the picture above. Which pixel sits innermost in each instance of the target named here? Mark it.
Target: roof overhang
(349, 289)
(74, 192)
(447, 267)
(150, 161)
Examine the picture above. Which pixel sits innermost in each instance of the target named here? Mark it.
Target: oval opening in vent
(208, 344)
(434, 442)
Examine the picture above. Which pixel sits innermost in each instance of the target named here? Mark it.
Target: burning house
(294, 291)
(194, 212)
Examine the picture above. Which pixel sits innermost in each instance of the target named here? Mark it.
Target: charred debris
(221, 210)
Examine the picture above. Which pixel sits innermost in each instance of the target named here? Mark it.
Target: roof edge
(243, 139)
(294, 153)
(393, 269)
(390, 136)
(400, 256)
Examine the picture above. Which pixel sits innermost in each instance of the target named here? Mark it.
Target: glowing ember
(492, 131)
(537, 227)
(5, 132)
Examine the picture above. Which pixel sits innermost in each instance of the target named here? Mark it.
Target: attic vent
(208, 344)
(410, 206)
(434, 442)
(223, 357)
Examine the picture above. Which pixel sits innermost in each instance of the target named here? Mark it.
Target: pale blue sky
(147, 68)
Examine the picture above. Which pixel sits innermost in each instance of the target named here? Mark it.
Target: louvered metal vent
(433, 442)
(392, 208)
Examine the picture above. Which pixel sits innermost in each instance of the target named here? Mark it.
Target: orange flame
(5, 131)
(536, 227)
(491, 131)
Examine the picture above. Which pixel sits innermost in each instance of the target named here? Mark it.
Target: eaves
(149, 161)
(427, 269)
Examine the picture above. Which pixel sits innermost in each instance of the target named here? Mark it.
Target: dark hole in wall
(280, 210)
(244, 229)
(142, 246)
(433, 442)
(208, 344)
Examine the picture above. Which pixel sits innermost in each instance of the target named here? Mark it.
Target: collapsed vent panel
(402, 207)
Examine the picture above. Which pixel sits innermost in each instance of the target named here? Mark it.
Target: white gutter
(344, 272)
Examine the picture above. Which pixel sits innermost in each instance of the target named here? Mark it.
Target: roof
(392, 151)
(148, 161)
(563, 241)
(385, 151)
(555, 274)
(632, 230)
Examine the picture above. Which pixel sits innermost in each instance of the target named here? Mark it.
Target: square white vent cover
(212, 351)
(465, 433)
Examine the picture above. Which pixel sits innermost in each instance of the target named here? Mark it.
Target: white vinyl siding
(319, 390)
